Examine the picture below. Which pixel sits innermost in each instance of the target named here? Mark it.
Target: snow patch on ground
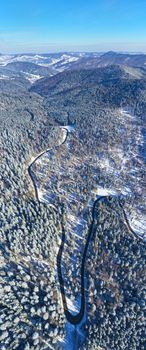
(105, 191)
(138, 224)
(71, 305)
(32, 77)
(4, 77)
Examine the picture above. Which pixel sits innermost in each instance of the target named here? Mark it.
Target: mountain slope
(28, 67)
(58, 61)
(111, 58)
(61, 61)
(112, 86)
(84, 77)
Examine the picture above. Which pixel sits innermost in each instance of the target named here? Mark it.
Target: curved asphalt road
(35, 159)
(75, 319)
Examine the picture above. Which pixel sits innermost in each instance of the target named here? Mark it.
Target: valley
(72, 227)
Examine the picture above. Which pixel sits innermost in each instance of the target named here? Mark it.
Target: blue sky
(57, 25)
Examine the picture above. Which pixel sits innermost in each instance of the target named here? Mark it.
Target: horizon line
(73, 51)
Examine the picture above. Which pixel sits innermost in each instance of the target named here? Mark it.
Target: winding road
(75, 319)
(37, 157)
